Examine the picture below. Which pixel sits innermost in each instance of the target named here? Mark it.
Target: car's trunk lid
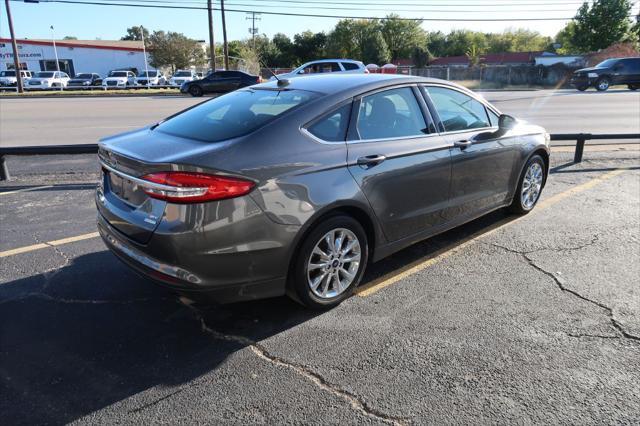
(125, 159)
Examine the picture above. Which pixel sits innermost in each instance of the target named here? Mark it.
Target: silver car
(325, 66)
(293, 187)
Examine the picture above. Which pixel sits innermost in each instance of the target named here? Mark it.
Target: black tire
(603, 84)
(195, 91)
(582, 88)
(517, 205)
(633, 87)
(299, 286)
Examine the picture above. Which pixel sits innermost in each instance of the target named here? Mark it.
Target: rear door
(399, 161)
(483, 159)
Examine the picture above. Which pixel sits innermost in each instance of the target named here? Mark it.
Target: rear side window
(392, 113)
(349, 66)
(458, 111)
(234, 114)
(333, 126)
(633, 65)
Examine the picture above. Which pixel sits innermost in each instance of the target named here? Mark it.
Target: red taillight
(191, 187)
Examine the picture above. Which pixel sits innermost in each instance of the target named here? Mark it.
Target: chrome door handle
(462, 144)
(371, 160)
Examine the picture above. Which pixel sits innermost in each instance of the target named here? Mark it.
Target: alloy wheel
(531, 186)
(333, 264)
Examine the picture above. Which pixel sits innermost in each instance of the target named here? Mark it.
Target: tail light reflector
(192, 187)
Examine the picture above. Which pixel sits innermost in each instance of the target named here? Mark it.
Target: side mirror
(506, 122)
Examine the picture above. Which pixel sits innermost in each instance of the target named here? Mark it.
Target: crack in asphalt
(593, 241)
(50, 298)
(261, 352)
(561, 285)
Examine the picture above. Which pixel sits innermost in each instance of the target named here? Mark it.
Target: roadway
(25, 122)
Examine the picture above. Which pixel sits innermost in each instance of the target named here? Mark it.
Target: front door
(399, 161)
(482, 158)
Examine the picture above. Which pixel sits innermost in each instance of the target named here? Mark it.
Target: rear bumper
(222, 278)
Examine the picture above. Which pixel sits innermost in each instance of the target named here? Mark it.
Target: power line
(310, 15)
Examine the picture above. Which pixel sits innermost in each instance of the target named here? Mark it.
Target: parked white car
(151, 78)
(182, 76)
(119, 78)
(322, 66)
(8, 78)
(48, 79)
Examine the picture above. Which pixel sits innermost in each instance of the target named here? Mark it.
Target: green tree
(564, 38)
(174, 50)
(602, 24)
(517, 40)
(459, 42)
(358, 39)
(135, 33)
(283, 44)
(437, 43)
(420, 56)
(474, 54)
(70, 38)
(309, 45)
(402, 36)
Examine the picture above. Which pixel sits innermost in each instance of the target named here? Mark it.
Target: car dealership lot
(61, 121)
(503, 320)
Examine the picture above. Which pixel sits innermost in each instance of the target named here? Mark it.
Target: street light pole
(225, 46)
(16, 59)
(144, 52)
(212, 45)
(55, 52)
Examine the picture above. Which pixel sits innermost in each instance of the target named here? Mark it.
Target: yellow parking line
(54, 243)
(421, 264)
(35, 188)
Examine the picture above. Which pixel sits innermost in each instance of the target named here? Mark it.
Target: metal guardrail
(580, 139)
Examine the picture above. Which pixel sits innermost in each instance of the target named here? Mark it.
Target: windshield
(149, 74)
(182, 74)
(44, 75)
(607, 63)
(234, 114)
(7, 73)
(84, 76)
(118, 74)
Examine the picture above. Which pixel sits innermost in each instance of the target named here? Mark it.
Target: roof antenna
(281, 82)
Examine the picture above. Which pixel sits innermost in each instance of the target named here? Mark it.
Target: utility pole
(212, 44)
(144, 52)
(253, 30)
(225, 46)
(16, 59)
(55, 51)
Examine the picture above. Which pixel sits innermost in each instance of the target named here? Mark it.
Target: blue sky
(110, 22)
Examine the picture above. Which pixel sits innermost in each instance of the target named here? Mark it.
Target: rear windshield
(234, 114)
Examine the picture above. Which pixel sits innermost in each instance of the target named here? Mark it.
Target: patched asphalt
(533, 321)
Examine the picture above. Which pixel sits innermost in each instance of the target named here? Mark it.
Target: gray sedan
(293, 187)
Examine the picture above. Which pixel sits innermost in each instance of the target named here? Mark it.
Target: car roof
(333, 83)
(318, 61)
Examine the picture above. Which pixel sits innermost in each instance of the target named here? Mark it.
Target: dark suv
(608, 73)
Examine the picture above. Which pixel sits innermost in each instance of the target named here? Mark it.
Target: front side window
(333, 126)
(393, 113)
(234, 114)
(458, 111)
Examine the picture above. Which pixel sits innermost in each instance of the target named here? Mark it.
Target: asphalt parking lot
(504, 320)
